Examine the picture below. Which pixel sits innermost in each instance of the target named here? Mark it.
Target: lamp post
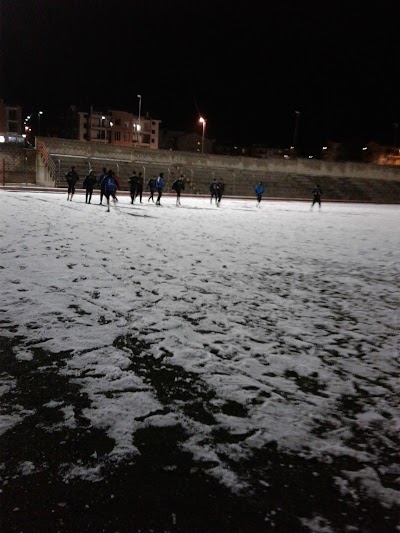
(101, 128)
(39, 113)
(140, 104)
(203, 122)
(296, 129)
(111, 125)
(139, 127)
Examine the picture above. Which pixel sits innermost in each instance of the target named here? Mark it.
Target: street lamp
(138, 127)
(296, 130)
(111, 125)
(203, 122)
(39, 113)
(140, 104)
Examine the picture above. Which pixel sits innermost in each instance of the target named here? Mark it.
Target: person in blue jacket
(259, 193)
(110, 188)
(160, 184)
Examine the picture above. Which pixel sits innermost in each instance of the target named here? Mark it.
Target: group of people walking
(109, 183)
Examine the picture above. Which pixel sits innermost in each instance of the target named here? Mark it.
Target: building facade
(11, 124)
(119, 128)
(185, 142)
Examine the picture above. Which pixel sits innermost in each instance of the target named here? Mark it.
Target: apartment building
(119, 128)
(10, 124)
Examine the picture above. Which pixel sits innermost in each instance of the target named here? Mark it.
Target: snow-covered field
(249, 351)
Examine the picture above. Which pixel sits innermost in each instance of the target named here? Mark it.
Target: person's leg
(90, 195)
(72, 192)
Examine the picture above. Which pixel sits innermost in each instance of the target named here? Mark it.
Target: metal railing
(48, 160)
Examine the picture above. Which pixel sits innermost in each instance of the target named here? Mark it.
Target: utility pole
(395, 132)
(296, 129)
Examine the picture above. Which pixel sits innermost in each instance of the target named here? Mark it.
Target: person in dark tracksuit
(220, 191)
(88, 184)
(133, 186)
(71, 177)
(178, 186)
(151, 185)
(139, 188)
(317, 194)
(160, 184)
(100, 182)
(214, 191)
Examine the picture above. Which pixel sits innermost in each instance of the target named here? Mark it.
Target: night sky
(245, 66)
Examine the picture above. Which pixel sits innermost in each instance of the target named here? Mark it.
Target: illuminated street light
(39, 113)
(203, 122)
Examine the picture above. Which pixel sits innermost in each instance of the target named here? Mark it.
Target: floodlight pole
(203, 122)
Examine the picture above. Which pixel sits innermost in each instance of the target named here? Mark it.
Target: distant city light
(324, 148)
(365, 148)
(310, 157)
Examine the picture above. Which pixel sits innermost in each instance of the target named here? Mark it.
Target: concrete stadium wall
(174, 160)
(288, 179)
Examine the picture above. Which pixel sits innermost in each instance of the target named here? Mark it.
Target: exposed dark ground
(162, 489)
